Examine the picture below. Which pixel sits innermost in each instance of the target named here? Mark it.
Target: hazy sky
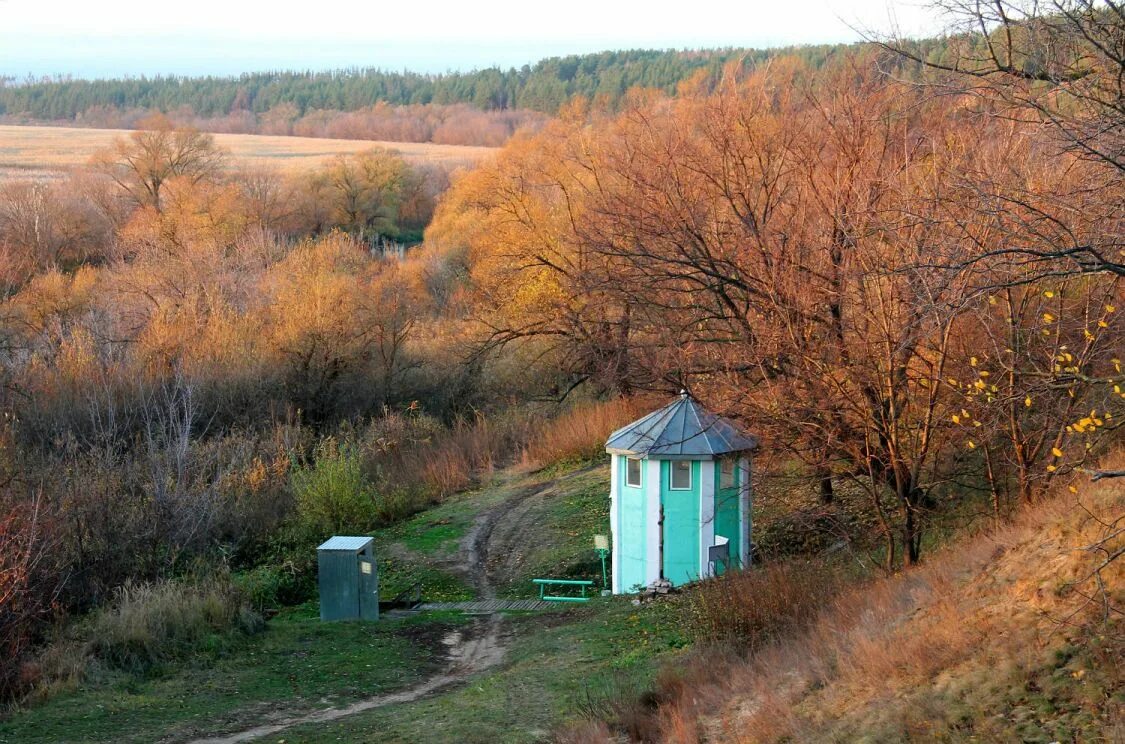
(135, 37)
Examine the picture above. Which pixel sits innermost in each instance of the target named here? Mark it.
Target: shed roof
(342, 542)
(681, 430)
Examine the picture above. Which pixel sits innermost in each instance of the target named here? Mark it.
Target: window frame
(672, 476)
(727, 477)
(640, 472)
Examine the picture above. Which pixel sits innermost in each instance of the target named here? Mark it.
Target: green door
(680, 527)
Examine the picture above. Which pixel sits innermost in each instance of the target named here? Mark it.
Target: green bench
(544, 583)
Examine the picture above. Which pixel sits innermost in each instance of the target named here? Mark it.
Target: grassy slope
(992, 640)
(555, 666)
(297, 662)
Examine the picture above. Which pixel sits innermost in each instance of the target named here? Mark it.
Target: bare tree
(183, 489)
(1059, 65)
(147, 159)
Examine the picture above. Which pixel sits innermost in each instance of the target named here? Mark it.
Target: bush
(154, 622)
(333, 494)
(265, 587)
(752, 606)
(580, 433)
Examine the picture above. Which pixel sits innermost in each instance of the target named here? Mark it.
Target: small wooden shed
(680, 496)
(348, 578)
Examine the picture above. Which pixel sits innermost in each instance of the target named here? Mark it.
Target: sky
(227, 37)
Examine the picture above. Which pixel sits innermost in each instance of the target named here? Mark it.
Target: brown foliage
(787, 246)
(752, 607)
(580, 433)
(154, 154)
(26, 594)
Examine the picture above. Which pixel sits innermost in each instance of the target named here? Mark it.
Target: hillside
(1008, 635)
(434, 675)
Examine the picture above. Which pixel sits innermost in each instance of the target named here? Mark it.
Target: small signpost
(601, 544)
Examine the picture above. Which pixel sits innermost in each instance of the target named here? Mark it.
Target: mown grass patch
(397, 575)
(565, 524)
(556, 665)
(297, 663)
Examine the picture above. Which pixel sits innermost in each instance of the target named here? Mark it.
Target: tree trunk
(827, 493)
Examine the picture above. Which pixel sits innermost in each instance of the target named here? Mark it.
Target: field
(44, 152)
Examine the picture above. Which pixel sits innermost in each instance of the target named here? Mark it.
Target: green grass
(398, 575)
(564, 544)
(554, 665)
(298, 662)
(554, 661)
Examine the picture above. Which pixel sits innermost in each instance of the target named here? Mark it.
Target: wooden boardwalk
(490, 605)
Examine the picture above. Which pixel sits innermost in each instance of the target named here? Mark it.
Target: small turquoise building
(680, 486)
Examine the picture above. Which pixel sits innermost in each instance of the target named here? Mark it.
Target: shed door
(680, 529)
(368, 588)
(338, 586)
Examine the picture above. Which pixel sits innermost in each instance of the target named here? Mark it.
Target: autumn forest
(899, 264)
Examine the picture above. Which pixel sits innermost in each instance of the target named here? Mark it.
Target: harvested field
(45, 152)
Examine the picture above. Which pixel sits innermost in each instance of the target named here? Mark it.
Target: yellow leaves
(1072, 489)
(971, 444)
(1027, 401)
(1048, 318)
(1051, 468)
(973, 361)
(984, 373)
(956, 419)
(1048, 294)
(1103, 324)
(991, 300)
(1088, 423)
(1110, 309)
(1056, 452)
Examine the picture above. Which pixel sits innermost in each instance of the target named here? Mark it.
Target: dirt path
(478, 647)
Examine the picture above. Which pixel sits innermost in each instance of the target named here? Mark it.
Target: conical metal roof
(681, 430)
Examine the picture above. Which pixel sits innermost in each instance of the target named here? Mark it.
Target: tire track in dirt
(480, 647)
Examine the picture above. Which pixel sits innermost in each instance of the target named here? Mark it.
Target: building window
(632, 472)
(726, 472)
(681, 475)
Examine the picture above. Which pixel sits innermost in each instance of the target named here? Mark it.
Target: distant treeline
(542, 87)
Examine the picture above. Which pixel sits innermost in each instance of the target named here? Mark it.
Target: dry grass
(149, 623)
(580, 433)
(1000, 637)
(30, 152)
(750, 608)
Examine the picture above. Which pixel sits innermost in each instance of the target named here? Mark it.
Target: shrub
(752, 606)
(153, 622)
(264, 586)
(27, 589)
(333, 494)
(580, 433)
